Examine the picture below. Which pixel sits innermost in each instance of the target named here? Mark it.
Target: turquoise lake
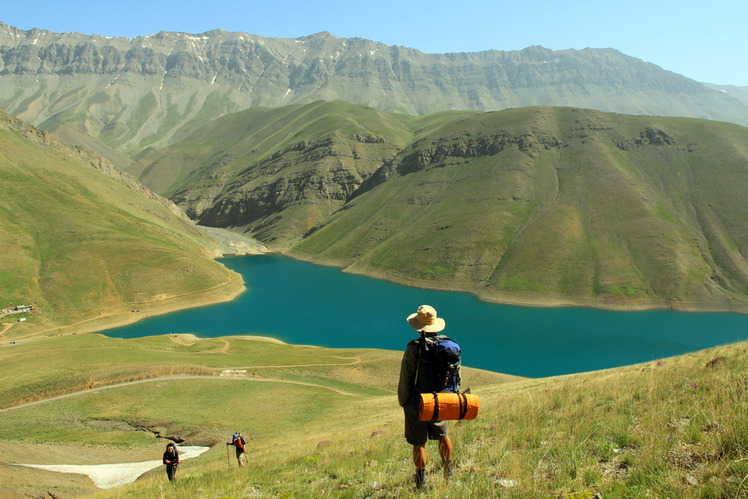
(301, 303)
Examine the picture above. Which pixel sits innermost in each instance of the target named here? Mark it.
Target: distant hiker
(238, 441)
(171, 460)
(418, 376)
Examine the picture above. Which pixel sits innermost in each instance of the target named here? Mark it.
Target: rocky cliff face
(151, 90)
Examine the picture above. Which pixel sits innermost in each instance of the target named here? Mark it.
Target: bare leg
(419, 459)
(445, 449)
(419, 456)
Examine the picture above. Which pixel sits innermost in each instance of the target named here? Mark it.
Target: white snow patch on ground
(107, 476)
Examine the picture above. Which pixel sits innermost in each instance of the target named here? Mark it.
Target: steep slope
(533, 205)
(276, 173)
(80, 239)
(132, 94)
(740, 93)
(557, 205)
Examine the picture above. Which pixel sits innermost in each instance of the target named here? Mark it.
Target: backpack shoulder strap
(421, 342)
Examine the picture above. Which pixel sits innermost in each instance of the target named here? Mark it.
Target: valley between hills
(392, 163)
(542, 206)
(125, 175)
(538, 206)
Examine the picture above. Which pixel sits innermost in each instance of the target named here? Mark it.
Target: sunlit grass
(670, 428)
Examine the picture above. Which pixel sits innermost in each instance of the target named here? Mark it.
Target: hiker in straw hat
(413, 381)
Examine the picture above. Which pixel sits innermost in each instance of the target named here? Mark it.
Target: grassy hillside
(81, 241)
(284, 388)
(670, 428)
(73, 136)
(531, 205)
(557, 206)
(275, 172)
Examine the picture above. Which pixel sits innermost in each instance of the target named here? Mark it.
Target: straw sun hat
(426, 320)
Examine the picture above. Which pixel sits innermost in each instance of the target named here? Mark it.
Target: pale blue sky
(704, 40)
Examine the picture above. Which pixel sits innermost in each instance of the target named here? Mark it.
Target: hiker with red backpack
(238, 441)
(423, 371)
(171, 460)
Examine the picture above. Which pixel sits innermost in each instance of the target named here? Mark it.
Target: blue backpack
(441, 359)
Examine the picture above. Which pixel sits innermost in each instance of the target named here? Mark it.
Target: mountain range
(388, 161)
(383, 161)
(130, 94)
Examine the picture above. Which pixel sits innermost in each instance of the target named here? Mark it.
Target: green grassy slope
(77, 244)
(672, 427)
(275, 172)
(73, 136)
(557, 206)
(530, 205)
(279, 390)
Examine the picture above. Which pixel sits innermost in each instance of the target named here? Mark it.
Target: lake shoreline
(302, 303)
(235, 286)
(517, 300)
(535, 302)
(135, 312)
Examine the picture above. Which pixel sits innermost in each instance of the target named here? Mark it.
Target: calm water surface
(301, 303)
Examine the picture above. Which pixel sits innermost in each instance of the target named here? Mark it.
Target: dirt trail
(224, 349)
(231, 375)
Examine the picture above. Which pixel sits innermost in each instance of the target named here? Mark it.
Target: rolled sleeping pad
(448, 406)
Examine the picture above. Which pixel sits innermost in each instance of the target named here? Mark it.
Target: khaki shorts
(417, 432)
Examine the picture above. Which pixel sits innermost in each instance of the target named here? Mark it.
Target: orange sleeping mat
(448, 406)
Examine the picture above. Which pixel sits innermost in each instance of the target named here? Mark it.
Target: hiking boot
(448, 472)
(420, 478)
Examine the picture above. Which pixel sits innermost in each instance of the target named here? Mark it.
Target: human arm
(407, 374)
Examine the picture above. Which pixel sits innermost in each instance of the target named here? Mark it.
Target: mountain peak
(148, 91)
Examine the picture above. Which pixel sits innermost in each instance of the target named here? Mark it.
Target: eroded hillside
(533, 205)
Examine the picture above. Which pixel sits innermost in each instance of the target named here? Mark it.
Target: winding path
(229, 377)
